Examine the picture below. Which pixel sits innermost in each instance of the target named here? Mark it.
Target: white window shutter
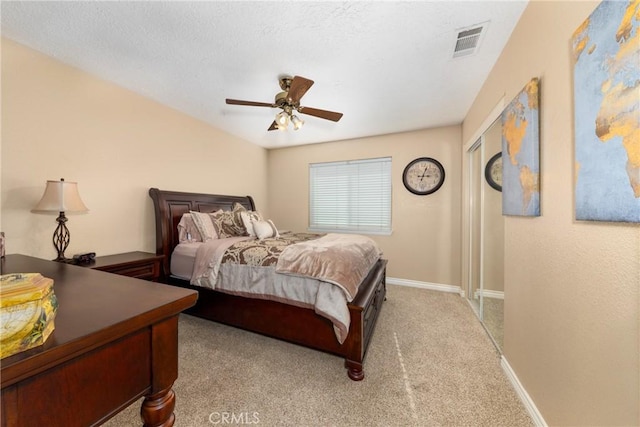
(351, 196)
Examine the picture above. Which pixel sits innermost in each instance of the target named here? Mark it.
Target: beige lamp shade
(61, 196)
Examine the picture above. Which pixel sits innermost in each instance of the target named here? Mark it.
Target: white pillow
(264, 229)
(247, 218)
(204, 225)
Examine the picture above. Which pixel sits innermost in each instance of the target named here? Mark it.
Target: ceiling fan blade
(273, 126)
(250, 103)
(323, 114)
(299, 86)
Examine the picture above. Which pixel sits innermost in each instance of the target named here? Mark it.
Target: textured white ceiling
(387, 66)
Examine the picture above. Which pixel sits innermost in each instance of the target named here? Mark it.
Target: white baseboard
(425, 285)
(488, 294)
(528, 403)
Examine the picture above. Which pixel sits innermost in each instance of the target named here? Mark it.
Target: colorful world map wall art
(606, 51)
(521, 153)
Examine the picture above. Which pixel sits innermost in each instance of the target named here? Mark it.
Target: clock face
(493, 172)
(423, 176)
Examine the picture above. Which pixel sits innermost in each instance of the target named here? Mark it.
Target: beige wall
(425, 243)
(59, 122)
(571, 287)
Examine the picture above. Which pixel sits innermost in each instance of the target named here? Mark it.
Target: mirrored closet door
(485, 288)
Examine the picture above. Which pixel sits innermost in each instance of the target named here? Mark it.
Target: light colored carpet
(430, 363)
(493, 315)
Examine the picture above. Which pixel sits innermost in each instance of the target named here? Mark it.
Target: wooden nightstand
(141, 265)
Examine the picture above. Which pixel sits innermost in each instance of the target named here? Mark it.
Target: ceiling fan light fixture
(282, 120)
(297, 122)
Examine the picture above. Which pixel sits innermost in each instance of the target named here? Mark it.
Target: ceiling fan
(293, 88)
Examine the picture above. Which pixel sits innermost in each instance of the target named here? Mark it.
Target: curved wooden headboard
(169, 206)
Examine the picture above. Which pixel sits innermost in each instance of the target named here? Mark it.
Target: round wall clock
(423, 176)
(493, 171)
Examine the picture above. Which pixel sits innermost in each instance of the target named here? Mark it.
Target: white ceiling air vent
(468, 40)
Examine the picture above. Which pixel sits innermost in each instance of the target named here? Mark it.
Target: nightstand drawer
(142, 271)
(141, 265)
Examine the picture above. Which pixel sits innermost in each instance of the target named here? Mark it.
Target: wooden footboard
(364, 310)
(300, 325)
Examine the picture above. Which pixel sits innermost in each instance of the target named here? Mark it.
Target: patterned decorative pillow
(247, 218)
(187, 230)
(204, 225)
(237, 210)
(229, 223)
(265, 229)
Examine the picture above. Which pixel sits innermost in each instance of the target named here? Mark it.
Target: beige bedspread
(208, 258)
(341, 259)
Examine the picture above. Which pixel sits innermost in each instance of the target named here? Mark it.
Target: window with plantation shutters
(351, 196)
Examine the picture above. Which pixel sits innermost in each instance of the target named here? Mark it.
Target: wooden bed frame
(290, 323)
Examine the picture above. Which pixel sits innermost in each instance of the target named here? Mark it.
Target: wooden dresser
(115, 340)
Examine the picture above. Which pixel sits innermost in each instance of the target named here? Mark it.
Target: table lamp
(61, 196)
